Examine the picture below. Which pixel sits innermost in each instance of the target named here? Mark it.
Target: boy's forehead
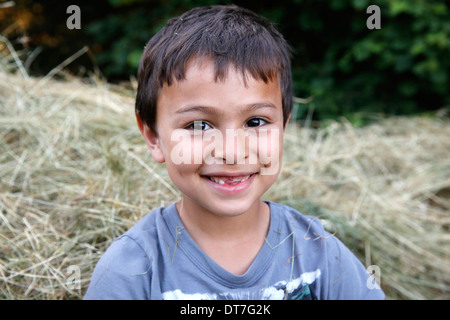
(204, 69)
(200, 86)
(201, 80)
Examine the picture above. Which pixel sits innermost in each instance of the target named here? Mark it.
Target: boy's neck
(232, 242)
(216, 227)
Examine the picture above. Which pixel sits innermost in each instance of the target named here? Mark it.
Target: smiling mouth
(229, 180)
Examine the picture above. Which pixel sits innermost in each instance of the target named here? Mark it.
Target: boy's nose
(235, 149)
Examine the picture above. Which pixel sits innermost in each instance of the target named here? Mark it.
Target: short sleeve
(122, 273)
(347, 278)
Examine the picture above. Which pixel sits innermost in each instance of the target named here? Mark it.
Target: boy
(213, 100)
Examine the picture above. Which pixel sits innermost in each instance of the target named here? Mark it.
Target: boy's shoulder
(146, 225)
(308, 235)
(150, 229)
(342, 274)
(307, 226)
(127, 261)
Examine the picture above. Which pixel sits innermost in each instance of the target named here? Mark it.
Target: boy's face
(222, 141)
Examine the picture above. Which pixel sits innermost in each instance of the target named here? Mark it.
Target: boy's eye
(199, 125)
(256, 122)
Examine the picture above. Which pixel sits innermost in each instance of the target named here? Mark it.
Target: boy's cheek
(270, 148)
(182, 148)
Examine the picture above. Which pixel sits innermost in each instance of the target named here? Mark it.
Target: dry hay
(75, 173)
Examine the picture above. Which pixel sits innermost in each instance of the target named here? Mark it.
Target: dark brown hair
(229, 36)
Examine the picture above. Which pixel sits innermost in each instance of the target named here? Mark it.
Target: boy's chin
(233, 208)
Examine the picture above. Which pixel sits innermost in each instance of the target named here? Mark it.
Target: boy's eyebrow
(217, 111)
(256, 106)
(203, 109)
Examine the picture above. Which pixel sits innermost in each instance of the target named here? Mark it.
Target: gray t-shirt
(157, 259)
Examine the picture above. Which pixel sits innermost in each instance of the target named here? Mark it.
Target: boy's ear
(152, 140)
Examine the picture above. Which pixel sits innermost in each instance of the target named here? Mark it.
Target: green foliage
(401, 68)
(123, 38)
(124, 33)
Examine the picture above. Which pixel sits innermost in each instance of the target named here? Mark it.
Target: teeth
(219, 181)
(229, 181)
